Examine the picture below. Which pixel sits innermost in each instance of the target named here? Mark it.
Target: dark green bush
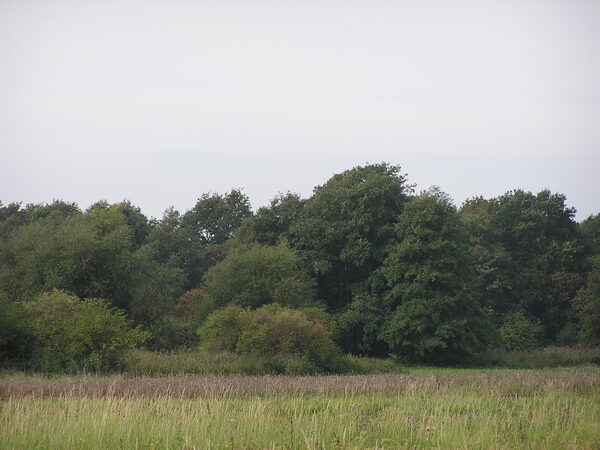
(172, 332)
(15, 337)
(73, 334)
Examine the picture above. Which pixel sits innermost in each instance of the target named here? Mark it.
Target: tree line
(365, 262)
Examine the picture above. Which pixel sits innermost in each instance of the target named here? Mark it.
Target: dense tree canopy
(434, 312)
(346, 226)
(397, 273)
(256, 275)
(529, 257)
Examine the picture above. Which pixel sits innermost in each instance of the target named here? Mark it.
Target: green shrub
(272, 331)
(172, 332)
(73, 334)
(519, 333)
(257, 275)
(194, 305)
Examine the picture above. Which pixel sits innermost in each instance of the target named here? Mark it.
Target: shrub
(271, 330)
(171, 332)
(257, 275)
(519, 333)
(194, 305)
(76, 334)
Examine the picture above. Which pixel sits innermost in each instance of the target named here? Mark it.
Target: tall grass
(545, 409)
(143, 362)
(539, 359)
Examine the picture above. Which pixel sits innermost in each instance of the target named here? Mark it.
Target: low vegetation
(364, 266)
(527, 409)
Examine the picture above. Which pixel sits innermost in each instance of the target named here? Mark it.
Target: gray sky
(161, 101)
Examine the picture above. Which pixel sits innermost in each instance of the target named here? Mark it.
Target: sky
(159, 102)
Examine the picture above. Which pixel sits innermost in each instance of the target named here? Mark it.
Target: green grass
(143, 362)
(528, 409)
(540, 358)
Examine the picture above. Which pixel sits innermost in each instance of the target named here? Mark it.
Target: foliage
(346, 226)
(434, 315)
(87, 254)
(271, 224)
(15, 338)
(589, 335)
(547, 357)
(154, 287)
(76, 334)
(528, 256)
(519, 333)
(271, 330)
(398, 274)
(172, 332)
(256, 275)
(194, 305)
(215, 217)
(590, 230)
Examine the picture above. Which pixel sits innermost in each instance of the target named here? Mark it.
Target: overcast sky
(161, 101)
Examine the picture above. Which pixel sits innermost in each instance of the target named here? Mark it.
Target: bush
(172, 332)
(518, 333)
(194, 305)
(272, 330)
(73, 334)
(257, 275)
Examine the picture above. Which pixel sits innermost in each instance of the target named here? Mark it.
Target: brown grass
(521, 383)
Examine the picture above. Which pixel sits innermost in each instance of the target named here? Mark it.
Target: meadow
(552, 408)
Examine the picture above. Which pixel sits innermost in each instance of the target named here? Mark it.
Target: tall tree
(215, 217)
(434, 314)
(209, 224)
(346, 227)
(271, 224)
(589, 334)
(529, 258)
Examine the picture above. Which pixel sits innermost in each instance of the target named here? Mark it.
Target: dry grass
(579, 381)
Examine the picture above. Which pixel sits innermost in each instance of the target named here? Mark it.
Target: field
(558, 408)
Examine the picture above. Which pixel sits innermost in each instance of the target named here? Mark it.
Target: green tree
(589, 334)
(154, 287)
(528, 256)
(88, 254)
(193, 237)
(270, 225)
(346, 227)
(590, 230)
(15, 338)
(256, 275)
(434, 315)
(215, 217)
